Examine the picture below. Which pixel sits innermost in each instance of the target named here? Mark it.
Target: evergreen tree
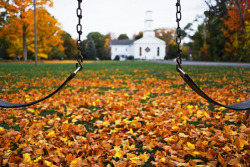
(90, 50)
(99, 40)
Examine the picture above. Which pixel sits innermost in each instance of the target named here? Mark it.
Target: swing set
(239, 106)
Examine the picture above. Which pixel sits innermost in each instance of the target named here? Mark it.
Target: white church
(148, 47)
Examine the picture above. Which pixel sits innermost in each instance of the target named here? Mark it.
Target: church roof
(122, 42)
(150, 40)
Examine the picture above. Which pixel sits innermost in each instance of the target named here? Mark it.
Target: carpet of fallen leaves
(111, 117)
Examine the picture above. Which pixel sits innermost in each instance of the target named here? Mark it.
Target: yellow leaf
(64, 139)
(26, 158)
(74, 161)
(36, 160)
(106, 123)
(191, 146)
(144, 157)
(175, 127)
(70, 143)
(1, 129)
(163, 159)
(234, 133)
(31, 110)
(196, 153)
(135, 160)
(190, 107)
(205, 142)
(199, 114)
(227, 149)
(51, 134)
(66, 122)
(48, 163)
(131, 131)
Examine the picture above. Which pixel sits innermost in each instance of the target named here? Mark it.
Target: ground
(123, 114)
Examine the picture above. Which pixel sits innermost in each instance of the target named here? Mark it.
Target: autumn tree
(167, 35)
(138, 36)
(49, 34)
(236, 30)
(19, 30)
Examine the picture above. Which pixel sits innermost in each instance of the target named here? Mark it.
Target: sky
(123, 16)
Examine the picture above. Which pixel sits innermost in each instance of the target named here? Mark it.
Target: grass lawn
(123, 114)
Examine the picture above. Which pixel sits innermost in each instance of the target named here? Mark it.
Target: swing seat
(240, 106)
(5, 104)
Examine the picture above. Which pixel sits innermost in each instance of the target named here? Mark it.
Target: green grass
(161, 71)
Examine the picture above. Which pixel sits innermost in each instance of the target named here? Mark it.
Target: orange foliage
(234, 28)
(21, 24)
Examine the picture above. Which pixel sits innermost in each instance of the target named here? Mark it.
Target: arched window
(158, 51)
(140, 51)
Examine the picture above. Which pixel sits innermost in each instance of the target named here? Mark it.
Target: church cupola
(149, 29)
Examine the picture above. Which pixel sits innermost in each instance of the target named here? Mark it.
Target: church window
(140, 51)
(147, 49)
(158, 51)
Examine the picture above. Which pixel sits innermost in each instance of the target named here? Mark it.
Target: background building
(148, 47)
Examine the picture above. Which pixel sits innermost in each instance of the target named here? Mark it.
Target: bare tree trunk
(25, 50)
(242, 12)
(35, 28)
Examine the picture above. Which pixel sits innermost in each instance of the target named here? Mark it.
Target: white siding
(121, 50)
(152, 54)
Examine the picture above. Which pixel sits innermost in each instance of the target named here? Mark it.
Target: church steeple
(149, 29)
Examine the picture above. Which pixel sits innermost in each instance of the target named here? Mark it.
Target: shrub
(117, 58)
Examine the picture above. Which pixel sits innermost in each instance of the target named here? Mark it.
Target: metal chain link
(178, 35)
(79, 56)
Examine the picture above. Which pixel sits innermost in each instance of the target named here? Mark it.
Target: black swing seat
(5, 104)
(240, 106)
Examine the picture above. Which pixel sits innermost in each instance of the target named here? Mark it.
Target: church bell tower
(149, 29)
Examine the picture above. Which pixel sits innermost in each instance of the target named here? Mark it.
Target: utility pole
(35, 28)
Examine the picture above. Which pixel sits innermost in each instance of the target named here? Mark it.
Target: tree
(138, 36)
(4, 45)
(167, 35)
(69, 45)
(198, 45)
(21, 17)
(242, 7)
(56, 54)
(99, 41)
(236, 31)
(90, 50)
(123, 36)
(3, 16)
(107, 48)
(215, 40)
(49, 34)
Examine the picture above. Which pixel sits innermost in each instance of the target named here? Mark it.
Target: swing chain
(79, 56)
(178, 35)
